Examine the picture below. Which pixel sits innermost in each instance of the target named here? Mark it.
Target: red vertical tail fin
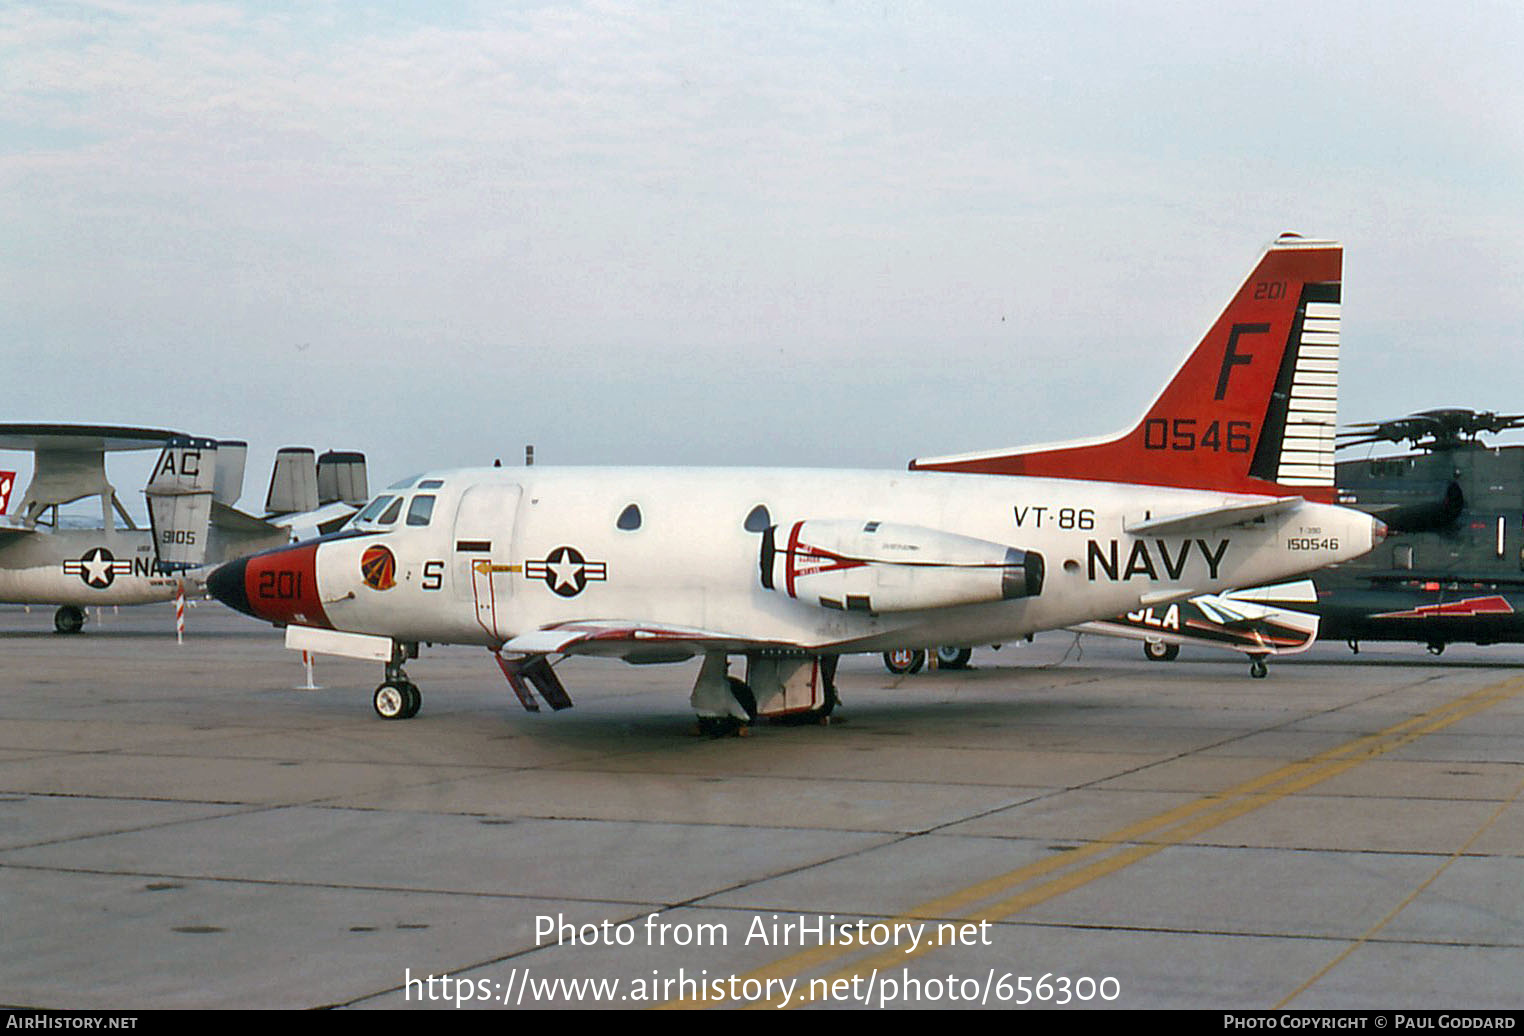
(1251, 410)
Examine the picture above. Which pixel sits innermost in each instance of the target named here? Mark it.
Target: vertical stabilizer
(1251, 410)
(180, 501)
(341, 478)
(293, 481)
(231, 457)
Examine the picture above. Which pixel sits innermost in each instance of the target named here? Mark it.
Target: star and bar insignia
(566, 571)
(98, 568)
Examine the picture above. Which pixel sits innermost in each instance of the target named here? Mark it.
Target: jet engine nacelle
(886, 567)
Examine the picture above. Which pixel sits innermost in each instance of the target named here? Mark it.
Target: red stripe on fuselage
(282, 586)
(788, 561)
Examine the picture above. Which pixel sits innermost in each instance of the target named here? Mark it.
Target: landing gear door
(481, 557)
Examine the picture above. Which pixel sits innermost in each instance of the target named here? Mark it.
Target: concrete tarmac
(180, 826)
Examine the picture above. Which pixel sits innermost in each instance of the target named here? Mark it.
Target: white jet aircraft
(43, 561)
(1225, 482)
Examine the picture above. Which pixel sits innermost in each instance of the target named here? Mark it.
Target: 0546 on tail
(1223, 483)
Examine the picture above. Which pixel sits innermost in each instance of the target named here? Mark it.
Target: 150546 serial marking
(1311, 543)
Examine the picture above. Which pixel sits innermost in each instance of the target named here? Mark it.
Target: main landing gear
(1159, 651)
(794, 689)
(904, 661)
(69, 619)
(725, 704)
(1257, 667)
(398, 697)
(908, 661)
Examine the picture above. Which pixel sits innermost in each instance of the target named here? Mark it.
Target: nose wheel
(398, 697)
(397, 700)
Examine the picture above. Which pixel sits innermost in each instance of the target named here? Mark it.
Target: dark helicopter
(1452, 567)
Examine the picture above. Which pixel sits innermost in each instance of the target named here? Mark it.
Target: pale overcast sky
(701, 233)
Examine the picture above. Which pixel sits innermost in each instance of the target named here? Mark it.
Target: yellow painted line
(1400, 907)
(1142, 839)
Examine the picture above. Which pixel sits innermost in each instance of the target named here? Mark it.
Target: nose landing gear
(398, 700)
(398, 697)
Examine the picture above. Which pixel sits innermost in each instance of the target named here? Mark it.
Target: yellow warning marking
(1125, 846)
(487, 567)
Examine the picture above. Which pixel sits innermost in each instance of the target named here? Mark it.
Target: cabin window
(375, 507)
(758, 520)
(390, 515)
(420, 510)
(629, 518)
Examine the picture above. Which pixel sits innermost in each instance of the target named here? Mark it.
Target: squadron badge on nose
(378, 568)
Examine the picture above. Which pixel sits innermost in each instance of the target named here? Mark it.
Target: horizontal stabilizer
(1212, 518)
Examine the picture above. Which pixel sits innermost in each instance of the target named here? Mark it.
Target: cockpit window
(374, 508)
(421, 509)
(391, 513)
(431, 483)
(629, 518)
(406, 483)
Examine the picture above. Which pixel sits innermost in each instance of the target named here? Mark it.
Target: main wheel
(1159, 651)
(1258, 669)
(904, 661)
(69, 619)
(392, 700)
(414, 700)
(953, 657)
(742, 693)
(1437, 648)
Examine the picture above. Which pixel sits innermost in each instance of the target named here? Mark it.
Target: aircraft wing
(1255, 621)
(1212, 518)
(11, 528)
(633, 641)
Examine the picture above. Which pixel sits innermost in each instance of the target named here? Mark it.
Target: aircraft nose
(228, 584)
(279, 586)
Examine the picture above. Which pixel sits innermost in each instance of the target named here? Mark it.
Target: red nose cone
(279, 586)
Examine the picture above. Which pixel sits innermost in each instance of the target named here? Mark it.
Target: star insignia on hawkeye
(98, 568)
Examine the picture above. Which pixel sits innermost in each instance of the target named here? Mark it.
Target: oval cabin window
(629, 518)
(758, 520)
